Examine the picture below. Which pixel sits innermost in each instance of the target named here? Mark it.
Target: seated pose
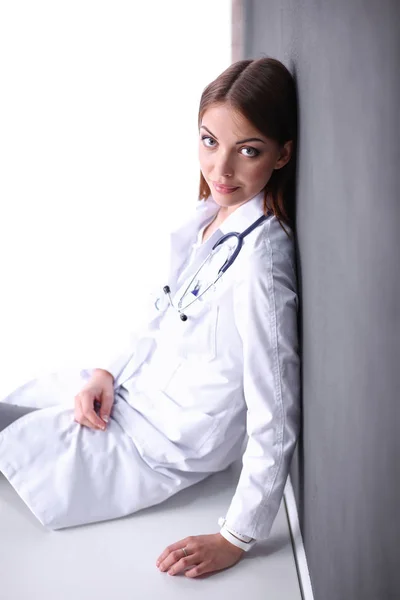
(213, 375)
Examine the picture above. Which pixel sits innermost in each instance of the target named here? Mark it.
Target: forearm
(102, 372)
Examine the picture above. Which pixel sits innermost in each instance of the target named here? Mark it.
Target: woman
(216, 363)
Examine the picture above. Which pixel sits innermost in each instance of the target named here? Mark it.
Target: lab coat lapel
(182, 239)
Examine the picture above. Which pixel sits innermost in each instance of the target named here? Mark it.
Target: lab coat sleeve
(127, 350)
(266, 317)
(120, 353)
(116, 359)
(125, 355)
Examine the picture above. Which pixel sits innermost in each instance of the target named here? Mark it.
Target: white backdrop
(98, 159)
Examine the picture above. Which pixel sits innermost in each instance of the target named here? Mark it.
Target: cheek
(205, 160)
(261, 170)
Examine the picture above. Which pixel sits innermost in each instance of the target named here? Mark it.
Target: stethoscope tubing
(240, 237)
(228, 263)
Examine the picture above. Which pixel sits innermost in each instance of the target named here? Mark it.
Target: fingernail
(105, 419)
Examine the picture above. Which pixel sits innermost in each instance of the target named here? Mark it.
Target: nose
(223, 166)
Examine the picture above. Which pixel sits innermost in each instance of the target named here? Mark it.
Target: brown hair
(263, 91)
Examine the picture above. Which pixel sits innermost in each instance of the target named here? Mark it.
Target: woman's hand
(205, 554)
(99, 389)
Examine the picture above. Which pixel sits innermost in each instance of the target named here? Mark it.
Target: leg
(49, 389)
(10, 413)
(71, 475)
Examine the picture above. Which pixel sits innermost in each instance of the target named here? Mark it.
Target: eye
(207, 137)
(254, 151)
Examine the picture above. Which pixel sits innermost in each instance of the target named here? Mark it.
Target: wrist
(235, 541)
(230, 545)
(102, 372)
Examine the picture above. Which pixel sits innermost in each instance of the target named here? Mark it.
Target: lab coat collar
(184, 237)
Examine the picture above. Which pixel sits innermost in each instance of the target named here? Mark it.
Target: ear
(284, 154)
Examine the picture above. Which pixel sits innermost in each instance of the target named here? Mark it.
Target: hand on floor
(205, 554)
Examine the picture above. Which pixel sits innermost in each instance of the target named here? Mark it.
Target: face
(236, 160)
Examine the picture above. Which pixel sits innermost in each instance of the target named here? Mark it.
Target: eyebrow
(240, 141)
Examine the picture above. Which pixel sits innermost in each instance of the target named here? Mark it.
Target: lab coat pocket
(199, 341)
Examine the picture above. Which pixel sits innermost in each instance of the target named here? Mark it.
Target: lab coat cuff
(235, 541)
(241, 541)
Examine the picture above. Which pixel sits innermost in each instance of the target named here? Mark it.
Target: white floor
(116, 559)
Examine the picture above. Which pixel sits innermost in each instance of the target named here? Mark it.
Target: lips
(224, 188)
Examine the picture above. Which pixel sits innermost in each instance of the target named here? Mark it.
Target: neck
(224, 213)
(219, 218)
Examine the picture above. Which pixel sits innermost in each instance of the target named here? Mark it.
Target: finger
(85, 423)
(80, 419)
(171, 548)
(78, 416)
(107, 400)
(173, 557)
(77, 408)
(186, 562)
(88, 411)
(200, 569)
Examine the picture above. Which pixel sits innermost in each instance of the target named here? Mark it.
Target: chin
(229, 199)
(222, 200)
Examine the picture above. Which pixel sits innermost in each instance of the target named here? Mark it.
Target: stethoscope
(239, 237)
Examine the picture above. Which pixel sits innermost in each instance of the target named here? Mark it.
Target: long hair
(264, 92)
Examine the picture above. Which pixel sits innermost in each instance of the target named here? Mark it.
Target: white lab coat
(188, 395)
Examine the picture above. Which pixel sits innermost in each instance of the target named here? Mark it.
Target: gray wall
(345, 55)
